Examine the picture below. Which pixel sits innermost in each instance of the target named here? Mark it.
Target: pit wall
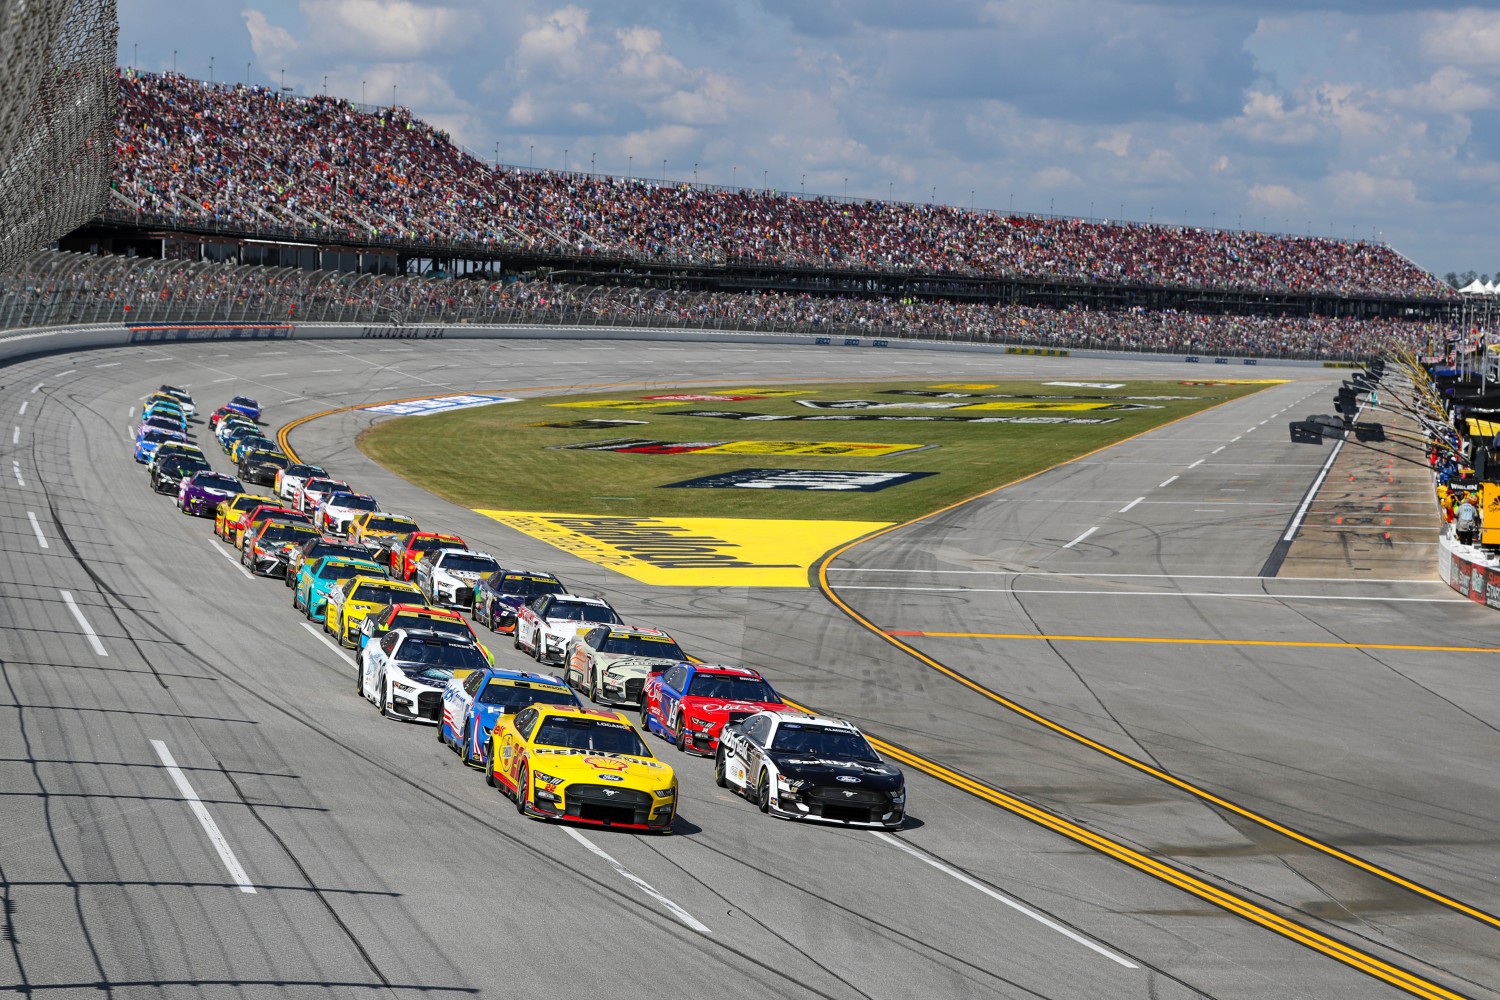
(1469, 571)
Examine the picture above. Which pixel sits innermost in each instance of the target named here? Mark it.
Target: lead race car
(689, 704)
(810, 767)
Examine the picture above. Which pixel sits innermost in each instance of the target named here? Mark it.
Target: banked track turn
(806, 903)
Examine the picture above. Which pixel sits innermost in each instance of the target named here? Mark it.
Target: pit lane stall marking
(640, 883)
(226, 854)
(83, 623)
(1014, 904)
(1185, 641)
(37, 527)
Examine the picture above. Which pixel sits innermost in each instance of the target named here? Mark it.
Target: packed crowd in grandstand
(248, 158)
(63, 288)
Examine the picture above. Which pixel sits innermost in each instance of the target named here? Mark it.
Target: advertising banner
(437, 404)
(816, 480)
(839, 449)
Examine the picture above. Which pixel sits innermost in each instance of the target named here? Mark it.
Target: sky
(1369, 119)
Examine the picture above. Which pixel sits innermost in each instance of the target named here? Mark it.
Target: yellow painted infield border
(1345, 954)
(820, 580)
(1153, 639)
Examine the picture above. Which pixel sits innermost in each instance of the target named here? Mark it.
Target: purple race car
(200, 494)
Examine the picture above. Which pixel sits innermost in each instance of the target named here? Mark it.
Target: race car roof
(725, 671)
(580, 599)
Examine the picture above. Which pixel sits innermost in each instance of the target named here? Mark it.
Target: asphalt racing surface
(1113, 794)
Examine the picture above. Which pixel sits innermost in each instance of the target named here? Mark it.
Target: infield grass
(504, 457)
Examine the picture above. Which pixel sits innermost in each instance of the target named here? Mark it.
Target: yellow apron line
(1270, 920)
(826, 589)
(1195, 642)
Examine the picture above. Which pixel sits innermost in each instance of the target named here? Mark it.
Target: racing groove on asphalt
(380, 863)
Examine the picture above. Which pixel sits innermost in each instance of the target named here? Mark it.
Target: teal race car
(315, 578)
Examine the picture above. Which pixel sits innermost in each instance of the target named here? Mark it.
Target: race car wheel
(385, 695)
(521, 790)
(296, 604)
(359, 679)
(680, 737)
(645, 714)
(721, 769)
(489, 772)
(595, 695)
(516, 638)
(763, 792)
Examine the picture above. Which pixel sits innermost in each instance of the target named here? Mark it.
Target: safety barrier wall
(1469, 571)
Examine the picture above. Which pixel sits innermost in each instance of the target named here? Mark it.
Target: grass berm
(505, 457)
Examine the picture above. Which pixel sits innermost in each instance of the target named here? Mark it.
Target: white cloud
(1277, 197)
(1449, 90)
(1356, 187)
(1464, 38)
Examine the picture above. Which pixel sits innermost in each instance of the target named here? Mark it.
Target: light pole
(733, 177)
(363, 97)
(135, 54)
(695, 172)
(565, 159)
(247, 74)
(763, 182)
(283, 83)
(325, 84)
(531, 158)
(846, 187)
(497, 154)
(393, 96)
(591, 163)
(630, 165)
(174, 62)
(210, 69)
(664, 170)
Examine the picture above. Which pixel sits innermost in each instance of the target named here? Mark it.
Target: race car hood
(718, 711)
(566, 626)
(873, 775)
(624, 665)
(588, 766)
(433, 677)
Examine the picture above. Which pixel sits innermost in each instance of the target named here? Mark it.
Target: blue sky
(1373, 119)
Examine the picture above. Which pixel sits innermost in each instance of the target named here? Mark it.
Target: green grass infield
(526, 455)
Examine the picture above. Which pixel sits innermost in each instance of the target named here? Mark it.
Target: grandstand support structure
(58, 99)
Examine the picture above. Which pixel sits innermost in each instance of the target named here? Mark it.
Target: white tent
(1477, 287)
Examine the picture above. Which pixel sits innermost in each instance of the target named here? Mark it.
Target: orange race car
(403, 551)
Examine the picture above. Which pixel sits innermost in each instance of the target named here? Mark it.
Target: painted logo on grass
(903, 417)
(437, 404)
(691, 551)
(818, 480)
(824, 449)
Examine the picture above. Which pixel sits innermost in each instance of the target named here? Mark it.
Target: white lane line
(273, 375)
(1131, 504)
(226, 855)
(219, 548)
(1234, 439)
(1163, 593)
(38, 387)
(1196, 464)
(344, 654)
(1081, 537)
(15, 436)
(130, 413)
(37, 527)
(1249, 430)
(68, 372)
(1167, 483)
(1218, 449)
(640, 883)
(227, 378)
(324, 371)
(83, 623)
(1312, 492)
(16, 468)
(25, 403)
(109, 364)
(1014, 904)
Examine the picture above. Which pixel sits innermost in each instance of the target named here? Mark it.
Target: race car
(184, 399)
(582, 766)
(810, 767)
(240, 446)
(245, 405)
(218, 415)
(691, 703)
(612, 663)
(151, 438)
(266, 542)
(405, 551)
(167, 477)
(290, 479)
(546, 625)
(316, 489)
(448, 576)
(349, 601)
(163, 417)
(230, 514)
(200, 493)
(416, 616)
(230, 439)
(405, 672)
(501, 594)
(267, 511)
(231, 424)
(473, 702)
(316, 548)
(369, 527)
(339, 509)
(171, 449)
(260, 467)
(316, 576)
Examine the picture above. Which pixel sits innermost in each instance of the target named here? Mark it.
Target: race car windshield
(343, 570)
(529, 586)
(597, 735)
(513, 698)
(583, 613)
(428, 544)
(375, 594)
(726, 687)
(335, 549)
(820, 741)
(325, 486)
(285, 532)
(350, 501)
(244, 401)
(268, 460)
(217, 481)
(634, 645)
(387, 524)
(470, 564)
(305, 471)
(181, 464)
(448, 655)
(443, 626)
(153, 436)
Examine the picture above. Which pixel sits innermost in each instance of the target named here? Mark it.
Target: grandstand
(203, 167)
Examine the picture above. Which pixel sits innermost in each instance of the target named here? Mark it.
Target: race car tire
(296, 604)
(516, 638)
(595, 695)
(645, 714)
(385, 699)
(494, 625)
(489, 770)
(679, 738)
(763, 792)
(359, 679)
(521, 794)
(721, 769)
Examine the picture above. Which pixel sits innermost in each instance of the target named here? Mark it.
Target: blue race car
(317, 577)
(245, 405)
(474, 700)
(148, 439)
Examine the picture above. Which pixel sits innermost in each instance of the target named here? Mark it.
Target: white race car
(810, 767)
(404, 673)
(449, 576)
(339, 509)
(611, 664)
(290, 479)
(546, 625)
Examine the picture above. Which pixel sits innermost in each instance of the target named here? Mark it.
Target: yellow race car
(582, 766)
(349, 601)
(229, 516)
(372, 525)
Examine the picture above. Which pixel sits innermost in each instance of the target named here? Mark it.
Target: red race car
(691, 703)
(406, 550)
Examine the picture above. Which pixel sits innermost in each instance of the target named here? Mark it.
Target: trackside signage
(814, 480)
(691, 551)
(437, 404)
